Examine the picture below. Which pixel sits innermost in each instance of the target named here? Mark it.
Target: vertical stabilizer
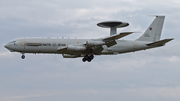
(153, 33)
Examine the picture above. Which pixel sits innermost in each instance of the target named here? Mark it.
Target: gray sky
(151, 75)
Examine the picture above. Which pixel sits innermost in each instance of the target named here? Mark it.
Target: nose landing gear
(23, 56)
(88, 58)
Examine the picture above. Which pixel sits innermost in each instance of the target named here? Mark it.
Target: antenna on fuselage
(113, 25)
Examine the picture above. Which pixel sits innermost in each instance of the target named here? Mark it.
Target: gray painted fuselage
(51, 46)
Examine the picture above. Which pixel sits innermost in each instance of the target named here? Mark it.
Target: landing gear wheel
(92, 57)
(88, 58)
(84, 59)
(23, 56)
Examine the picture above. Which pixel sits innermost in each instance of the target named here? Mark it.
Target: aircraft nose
(6, 46)
(9, 47)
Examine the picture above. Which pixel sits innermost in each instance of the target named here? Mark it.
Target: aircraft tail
(153, 33)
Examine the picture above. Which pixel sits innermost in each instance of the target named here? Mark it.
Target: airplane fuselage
(42, 45)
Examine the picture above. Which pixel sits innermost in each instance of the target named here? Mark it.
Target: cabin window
(54, 44)
(60, 44)
(46, 44)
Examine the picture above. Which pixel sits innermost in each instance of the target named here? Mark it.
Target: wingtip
(171, 39)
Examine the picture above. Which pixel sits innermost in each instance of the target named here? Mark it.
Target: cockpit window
(12, 42)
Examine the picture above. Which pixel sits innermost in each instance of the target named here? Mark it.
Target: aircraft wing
(94, 45)
(115, 37)
(110, 41)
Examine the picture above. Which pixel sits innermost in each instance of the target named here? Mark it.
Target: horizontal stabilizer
(115, 37)
(159, 43)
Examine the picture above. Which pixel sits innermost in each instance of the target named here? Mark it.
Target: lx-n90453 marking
(87, 48)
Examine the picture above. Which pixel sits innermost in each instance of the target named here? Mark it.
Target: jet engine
(75, 48)
(95, 43)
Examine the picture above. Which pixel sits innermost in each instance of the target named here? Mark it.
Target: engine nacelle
(75, 48)
(70, 56)
(95, 43)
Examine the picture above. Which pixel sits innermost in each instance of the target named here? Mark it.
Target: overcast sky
(151, 75)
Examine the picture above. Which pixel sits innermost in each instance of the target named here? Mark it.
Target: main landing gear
(88, 58)
(23, 56)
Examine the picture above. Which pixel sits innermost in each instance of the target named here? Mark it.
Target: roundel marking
(150, 28)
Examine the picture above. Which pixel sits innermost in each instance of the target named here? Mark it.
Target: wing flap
(97, 49)
(111, 43)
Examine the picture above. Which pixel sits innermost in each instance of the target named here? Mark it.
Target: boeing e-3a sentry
(87, 48)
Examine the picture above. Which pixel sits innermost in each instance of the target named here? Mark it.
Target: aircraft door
(23, 44)
(135, 45)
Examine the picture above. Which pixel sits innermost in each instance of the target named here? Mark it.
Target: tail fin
(153, 33)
